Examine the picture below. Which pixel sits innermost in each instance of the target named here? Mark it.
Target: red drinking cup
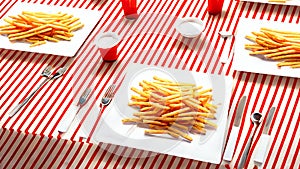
(130, 9)
(215, 6)
(107, 44)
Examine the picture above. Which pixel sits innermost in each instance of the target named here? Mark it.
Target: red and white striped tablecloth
(30, 139)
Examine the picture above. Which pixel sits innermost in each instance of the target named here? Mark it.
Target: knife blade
(240, 110)
(68, 118)
(268, 121)
(264, 139)
(228, 154)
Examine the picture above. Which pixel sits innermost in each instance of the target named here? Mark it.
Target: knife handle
(262, 148)
(231, 143)
(68, 119)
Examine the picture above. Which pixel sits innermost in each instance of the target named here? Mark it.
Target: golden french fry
(37, 43)
(182, 134)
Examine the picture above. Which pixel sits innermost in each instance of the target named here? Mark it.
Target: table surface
(30, 139)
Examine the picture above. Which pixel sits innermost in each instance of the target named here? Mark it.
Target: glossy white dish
(203, 147)
(63, 48)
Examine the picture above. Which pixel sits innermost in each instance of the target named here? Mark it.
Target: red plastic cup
(215, 6)
(130, 9)
(107, 44)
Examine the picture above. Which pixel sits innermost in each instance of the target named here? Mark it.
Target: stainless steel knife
(264, 139)
(68, 118)
(228, 154)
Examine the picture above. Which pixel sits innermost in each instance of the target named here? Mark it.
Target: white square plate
(206, 148)
(242, 61)
(63, 48)
(288, 2)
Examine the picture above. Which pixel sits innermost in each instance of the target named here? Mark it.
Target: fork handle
(68, 118)
(20, 105)
(245, 153)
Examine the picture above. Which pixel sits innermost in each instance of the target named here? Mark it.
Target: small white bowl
(190, 27)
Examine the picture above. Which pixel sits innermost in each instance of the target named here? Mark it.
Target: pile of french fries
(173, 108)
(277, 45)
(38, 27)
(278, 1)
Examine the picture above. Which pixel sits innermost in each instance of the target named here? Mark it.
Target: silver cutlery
(73, 111)
(47, 72)
(228, 154)
(264, 139)
(107, 97)
(256, 120)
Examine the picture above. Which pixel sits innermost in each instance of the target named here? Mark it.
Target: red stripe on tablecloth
(58, 153)
(102, 154)
(11, 65)
(249, 9)
(118, 160)
(271, 11)
(217, 61)
(63, 2)
(258, 5)
(68, 153)
(292, 14)
(215, 33)
(94, 101)
(168, 28)
(1, 3)
(263, 12)
(209, 22)
(137, 159)
(84, 155)
(22, 155)
(232, 43)
(285, 13)
(17, 148)
(50, 1)
(295, 129)
(33, 109)
(20, 83)
(278, 12)
(128, 158)
(7, 8)
(146, 160)
(74, 156)
(43, 150)
(296, 154)
(275, 117)
(287, 127)
(21, 112)
(246, 111)
(5, 142)
(92, 158)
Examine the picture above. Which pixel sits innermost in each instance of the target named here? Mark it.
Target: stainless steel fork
(107, 97)
(47, 72)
